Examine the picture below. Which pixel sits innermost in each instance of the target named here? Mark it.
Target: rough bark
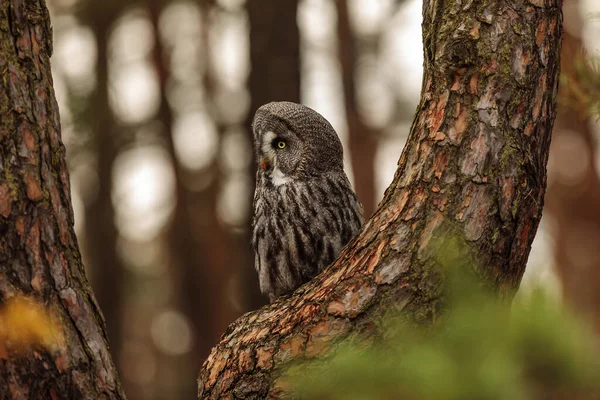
(362, 139)
(573, 204)
(474, 165)
(274, 76)
(39, 254)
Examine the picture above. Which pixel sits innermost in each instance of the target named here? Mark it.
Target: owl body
(305, 210)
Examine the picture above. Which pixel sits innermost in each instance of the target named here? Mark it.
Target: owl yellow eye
(281, 144)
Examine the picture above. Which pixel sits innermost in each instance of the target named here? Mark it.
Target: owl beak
(263, 164)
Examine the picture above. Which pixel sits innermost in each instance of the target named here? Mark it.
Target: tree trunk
(474, 165)
(39, 255)
(274, 76)
(199, 245)
(106, 269)
(362, 140)
(574, 189)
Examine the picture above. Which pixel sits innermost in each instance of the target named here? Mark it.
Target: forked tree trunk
(39, 255)
(474, 165)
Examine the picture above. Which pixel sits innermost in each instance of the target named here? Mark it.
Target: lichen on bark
(474, 164)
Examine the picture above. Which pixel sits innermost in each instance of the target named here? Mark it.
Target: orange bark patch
(334, 277)
(245, 360)
(539, 95)
(457, 76)
(291, 348)
(27, 137)
(308, 311)
(440, 202)
(20, 225)
(473, 83)
(353, 300)
(460, 124)
(402, 200)
(439, 165)
(374, 259)
(541, 32)
(465, 203)
(34, 192)
(475, 30)
(5, 200)
(264, 357)
(33, 250)
(62, 362)
(323, 333)
(427, 233)
(217, 366)
(528, 129)
(438, 136)
(437, 116)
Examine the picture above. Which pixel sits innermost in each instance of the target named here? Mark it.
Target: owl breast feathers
(305, 210)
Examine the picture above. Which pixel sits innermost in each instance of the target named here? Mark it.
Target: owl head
(293, 142)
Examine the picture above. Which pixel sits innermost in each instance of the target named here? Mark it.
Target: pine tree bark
(39, 254)
(474, 165)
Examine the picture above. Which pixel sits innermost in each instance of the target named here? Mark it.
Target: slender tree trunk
(106, 269)
(473, 166)
(574, 189)
(199, 245)
(362, 139)
(274, 76)
(39, 255)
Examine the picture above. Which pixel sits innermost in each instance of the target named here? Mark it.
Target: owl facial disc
(268, 160)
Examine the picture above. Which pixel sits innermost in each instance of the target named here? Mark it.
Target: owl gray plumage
(305, 210)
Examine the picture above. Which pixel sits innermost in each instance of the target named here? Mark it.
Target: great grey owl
(305, 210)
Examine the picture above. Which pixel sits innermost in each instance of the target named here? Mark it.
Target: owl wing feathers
(300, 229)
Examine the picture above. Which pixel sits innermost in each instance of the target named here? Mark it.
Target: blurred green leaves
(580, 89)
(483, 350)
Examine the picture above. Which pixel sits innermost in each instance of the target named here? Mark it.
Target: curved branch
(474, 161)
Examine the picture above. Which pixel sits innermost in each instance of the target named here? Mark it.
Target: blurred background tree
(156, 100)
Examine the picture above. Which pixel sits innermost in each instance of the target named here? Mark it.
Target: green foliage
(580, 90)
(483, 350)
